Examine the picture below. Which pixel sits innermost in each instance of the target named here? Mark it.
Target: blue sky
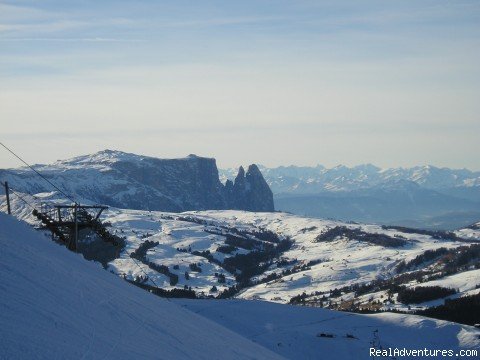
(394, 83)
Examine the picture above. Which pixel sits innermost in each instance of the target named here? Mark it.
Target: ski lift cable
(38, 173)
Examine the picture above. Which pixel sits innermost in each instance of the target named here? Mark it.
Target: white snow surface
(293, 331)
(56, 305)
(470, 233)
(344, 262)
(465, 281)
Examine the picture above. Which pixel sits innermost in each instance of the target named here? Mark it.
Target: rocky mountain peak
(241, 173)
(253, 170)
(250, 191)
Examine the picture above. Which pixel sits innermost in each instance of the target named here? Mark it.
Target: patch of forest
(436, 234)
(140, 254)
(360, 235)
(464, 310)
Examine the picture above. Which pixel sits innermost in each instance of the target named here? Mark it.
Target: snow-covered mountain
(57, 305)
(423, 196)
(139, 182)
(311, 180)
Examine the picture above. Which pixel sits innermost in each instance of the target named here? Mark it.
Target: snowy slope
(467, 282)
(138, 226)
(315, 266)
(55, 305)
(292, 331)
(472, 232)
(341, 262)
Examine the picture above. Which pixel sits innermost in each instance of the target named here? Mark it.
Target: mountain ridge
(133, 181)
(303, 179)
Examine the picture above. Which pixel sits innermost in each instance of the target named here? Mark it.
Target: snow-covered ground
(471, 233)
(465, 281)
(295, 332)
(57, 305)
(139, 226)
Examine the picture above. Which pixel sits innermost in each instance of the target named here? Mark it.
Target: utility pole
(7, 193)
(75, 213)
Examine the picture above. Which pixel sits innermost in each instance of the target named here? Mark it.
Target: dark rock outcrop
(250, 191)
(190, 183)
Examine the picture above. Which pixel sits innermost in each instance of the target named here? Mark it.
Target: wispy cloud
(21, 23)
(394, 16)
(223, 21)
(16, 13)
(43, 27)
(97, 39)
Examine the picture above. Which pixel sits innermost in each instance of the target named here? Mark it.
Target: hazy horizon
(394, 84)
(18, 163)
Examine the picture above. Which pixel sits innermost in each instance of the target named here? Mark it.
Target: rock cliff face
(250, 191)
(189, 183)
(138, 182)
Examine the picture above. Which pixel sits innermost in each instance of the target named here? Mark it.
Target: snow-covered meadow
(331, 265)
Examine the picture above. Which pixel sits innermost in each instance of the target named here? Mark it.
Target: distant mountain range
(140, 182)
(422, 196)
(311, 180)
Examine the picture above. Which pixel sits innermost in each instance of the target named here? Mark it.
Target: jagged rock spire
(250, 191)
